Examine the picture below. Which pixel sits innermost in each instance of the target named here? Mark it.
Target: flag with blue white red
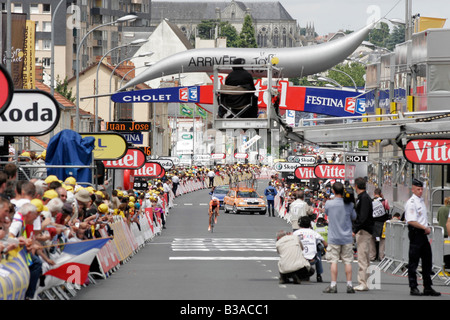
(73, 264)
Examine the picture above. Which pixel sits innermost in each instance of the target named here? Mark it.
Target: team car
(244, 200)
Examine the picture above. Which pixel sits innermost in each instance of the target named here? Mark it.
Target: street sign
(30, 113)
(133, 159)
(108, 146)
(7, 89)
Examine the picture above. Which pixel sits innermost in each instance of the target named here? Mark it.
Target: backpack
(378, 208)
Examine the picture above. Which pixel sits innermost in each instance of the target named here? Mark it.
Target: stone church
(274, 26)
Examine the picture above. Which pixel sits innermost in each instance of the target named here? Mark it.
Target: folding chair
(229, 109)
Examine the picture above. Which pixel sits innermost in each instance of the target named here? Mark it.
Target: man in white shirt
(309, 239)
(419, 246)
(175, 182)
(298, 209)
(211, 176)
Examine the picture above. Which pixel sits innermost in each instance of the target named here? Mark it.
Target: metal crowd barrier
(397, 250)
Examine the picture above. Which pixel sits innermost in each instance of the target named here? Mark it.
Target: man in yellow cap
(49, 195)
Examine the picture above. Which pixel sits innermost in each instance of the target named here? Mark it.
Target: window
(18, 8)
(47, 45)
(47, 26)
(34, 8)
(46, 62)
(46, 8)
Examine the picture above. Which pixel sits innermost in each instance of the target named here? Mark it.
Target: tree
(229, 31)
(379, 36)
(354, 70)
(62, 87)
(247, 37)
(206, 30)
(397, 36)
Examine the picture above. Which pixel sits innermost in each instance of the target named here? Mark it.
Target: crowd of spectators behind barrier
(41, 213)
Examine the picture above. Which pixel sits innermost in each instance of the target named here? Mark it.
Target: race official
(419, 246)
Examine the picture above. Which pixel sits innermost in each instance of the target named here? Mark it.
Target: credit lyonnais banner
(14, 275)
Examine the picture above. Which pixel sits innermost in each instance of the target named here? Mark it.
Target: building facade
(274, 26)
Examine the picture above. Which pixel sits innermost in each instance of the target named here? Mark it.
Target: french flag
(75, 260)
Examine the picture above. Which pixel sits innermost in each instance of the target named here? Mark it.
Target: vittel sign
(334, 171)
(150, 170)
(428, 151)
(133, 159)
(30, 113)
(304, 173)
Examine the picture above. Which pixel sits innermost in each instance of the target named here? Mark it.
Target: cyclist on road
(214, 205)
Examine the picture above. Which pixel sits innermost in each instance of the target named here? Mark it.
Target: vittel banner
(334, 171)
(133, 159)
(150, 170)
(304, 173)
(428, 151)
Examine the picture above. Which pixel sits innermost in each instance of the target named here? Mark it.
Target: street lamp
(354, 83)
(52, 56)
(126, 18)
(144, 54)
(133, 43)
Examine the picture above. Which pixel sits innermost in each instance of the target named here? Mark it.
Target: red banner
(428, 151)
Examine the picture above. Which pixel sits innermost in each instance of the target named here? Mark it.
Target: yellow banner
(28, 75)
(108, 146)
(14, 275)
(425, 23)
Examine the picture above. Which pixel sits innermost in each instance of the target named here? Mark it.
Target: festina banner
(428, 151)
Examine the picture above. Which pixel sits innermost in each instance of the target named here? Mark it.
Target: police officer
(419, 246)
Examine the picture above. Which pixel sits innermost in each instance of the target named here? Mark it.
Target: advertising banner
(428, 151)
(17, 44)
(29, 60)
(133, 159)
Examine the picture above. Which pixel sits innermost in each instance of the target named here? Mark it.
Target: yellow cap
(38, 204)
(50, 194)
(103, 208)
(70, 180)
(50, 179)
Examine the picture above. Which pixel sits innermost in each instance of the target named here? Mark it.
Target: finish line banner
(332, 102)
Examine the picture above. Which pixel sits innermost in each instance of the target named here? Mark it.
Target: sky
(330, 16)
